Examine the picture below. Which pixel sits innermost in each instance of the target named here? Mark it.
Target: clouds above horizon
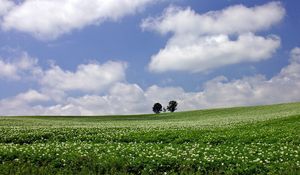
(202, 42)
(190, 47)
(49, 19)
(17, 68)
(91, 77)
(122, 97)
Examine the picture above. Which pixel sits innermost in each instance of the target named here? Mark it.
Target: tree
(157, 108)
(172, 106)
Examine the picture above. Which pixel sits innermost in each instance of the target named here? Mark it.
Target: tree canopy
(157, 108)
(172, 106)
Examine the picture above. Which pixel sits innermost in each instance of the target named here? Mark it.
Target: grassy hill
(242, 140)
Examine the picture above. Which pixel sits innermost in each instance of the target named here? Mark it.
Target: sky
(104, 57)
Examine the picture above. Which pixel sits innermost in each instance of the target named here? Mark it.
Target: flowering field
(247, 140)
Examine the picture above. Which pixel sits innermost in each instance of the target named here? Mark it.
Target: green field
(244, 140)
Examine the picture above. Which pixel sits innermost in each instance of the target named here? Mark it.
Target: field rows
(269, 146)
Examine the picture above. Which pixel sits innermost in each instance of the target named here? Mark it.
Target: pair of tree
(157, 107)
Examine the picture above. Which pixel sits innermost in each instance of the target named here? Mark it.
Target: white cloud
(253, 90)
(17, 68)
(201, 54)
(202, 42)
(87, 77)
(8, 70)
(234, 19)
(5, 6)
(295, 55)
(126, 98)
(31, 96)
(48, 19)
(58, 83)
(23, 103)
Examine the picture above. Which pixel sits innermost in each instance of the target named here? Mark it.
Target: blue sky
(120, 57)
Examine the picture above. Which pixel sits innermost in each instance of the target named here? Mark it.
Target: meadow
(241, 140)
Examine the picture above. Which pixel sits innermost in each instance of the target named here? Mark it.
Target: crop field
(243, 140)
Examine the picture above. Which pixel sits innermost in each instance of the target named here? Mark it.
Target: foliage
(172, 106)
(157, 108)
(252, 140)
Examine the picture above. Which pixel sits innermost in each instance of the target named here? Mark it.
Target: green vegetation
(245, 140)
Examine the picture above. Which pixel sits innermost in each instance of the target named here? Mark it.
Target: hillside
(199, 118)
(242, 140)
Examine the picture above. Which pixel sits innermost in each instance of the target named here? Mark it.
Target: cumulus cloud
(295, 55)
(16, 68)
(91, 77)
(56, 84)
(5, 6)
(122, 97)
(234, 19)
(31, 96)
(201, 42)
(200, 54)
(253, 90)
(23, 103)
(49, 19)
(87, 77)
